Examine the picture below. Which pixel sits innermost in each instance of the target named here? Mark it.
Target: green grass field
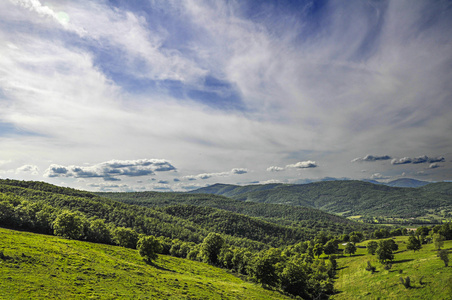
(47, 267)
(354, 282)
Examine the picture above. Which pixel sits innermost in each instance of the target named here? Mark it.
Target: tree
(211, 247)
(438, 239)
(294, 276)
(330, 247)
(318, 249)
(350, 248)
(354, 237)
(372, 247)
(69, 225)
(98, 232)
(413, 243)
(266, 266)
(384, 251)
(125, 237)
(444, 256)
(393, 245)
(148, 247)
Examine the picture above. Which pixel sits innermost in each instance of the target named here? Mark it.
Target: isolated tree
(384, 251)
(372, 247)
(350, 248)
(413, 243)
(211, 247)
(125, 237)
(392, 244)
(438, 240)
(444, 256)
(148, 247)
(69, 224)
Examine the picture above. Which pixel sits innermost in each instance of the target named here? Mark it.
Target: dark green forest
(350, 198)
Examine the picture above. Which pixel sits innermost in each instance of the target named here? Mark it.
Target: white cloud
(303, 165)
(73, 72)
(378, 176)
(372, 158)
(275, 169)
(32, 169)
(111, 170)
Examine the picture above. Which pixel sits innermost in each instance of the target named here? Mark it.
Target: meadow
(36, 266)
(430, 279)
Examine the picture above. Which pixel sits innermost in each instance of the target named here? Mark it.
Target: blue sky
(174, 95)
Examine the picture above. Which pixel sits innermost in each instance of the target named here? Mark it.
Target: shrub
(69, 225)
(406, 282)
(148, 247)
(370, 268)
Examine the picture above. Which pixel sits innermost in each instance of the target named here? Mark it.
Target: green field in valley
(430, 279)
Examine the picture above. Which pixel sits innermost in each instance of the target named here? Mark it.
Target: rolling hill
(36, 266)
(349, 198)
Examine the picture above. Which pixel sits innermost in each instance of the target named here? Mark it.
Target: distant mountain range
(350, 197)
(402, 182)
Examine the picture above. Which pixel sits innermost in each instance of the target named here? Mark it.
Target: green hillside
(352, 198)
(35, 266)
(429, 277)
(305, 218)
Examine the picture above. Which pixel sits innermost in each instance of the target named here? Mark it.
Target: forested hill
(35, 205)
(311, 220)
(348, 198)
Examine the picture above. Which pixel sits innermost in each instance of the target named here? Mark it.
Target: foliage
(148, 247)
(211, 247)
(406, 282)
(372, 247)
(350, 248)
(69, 224)
(385, 251)
(370, 268)
(266, 267)
(438, 240)
(414, 243)
(125, 237)
(347, 197)
(444, 256)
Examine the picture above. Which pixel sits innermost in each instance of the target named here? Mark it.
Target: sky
(176, 95)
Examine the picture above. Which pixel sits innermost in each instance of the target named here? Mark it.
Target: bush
(125, 237)
(148, 247)
(69, 224)
(406, 282)
(370, 268)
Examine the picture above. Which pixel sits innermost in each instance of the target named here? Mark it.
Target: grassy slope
(354, 282)
(47, 267)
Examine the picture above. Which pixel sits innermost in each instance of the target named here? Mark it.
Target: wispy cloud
(212, 85)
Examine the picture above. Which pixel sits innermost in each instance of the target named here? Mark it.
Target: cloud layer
(224, 85)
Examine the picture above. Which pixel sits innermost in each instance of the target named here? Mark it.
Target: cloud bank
(111, 170)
